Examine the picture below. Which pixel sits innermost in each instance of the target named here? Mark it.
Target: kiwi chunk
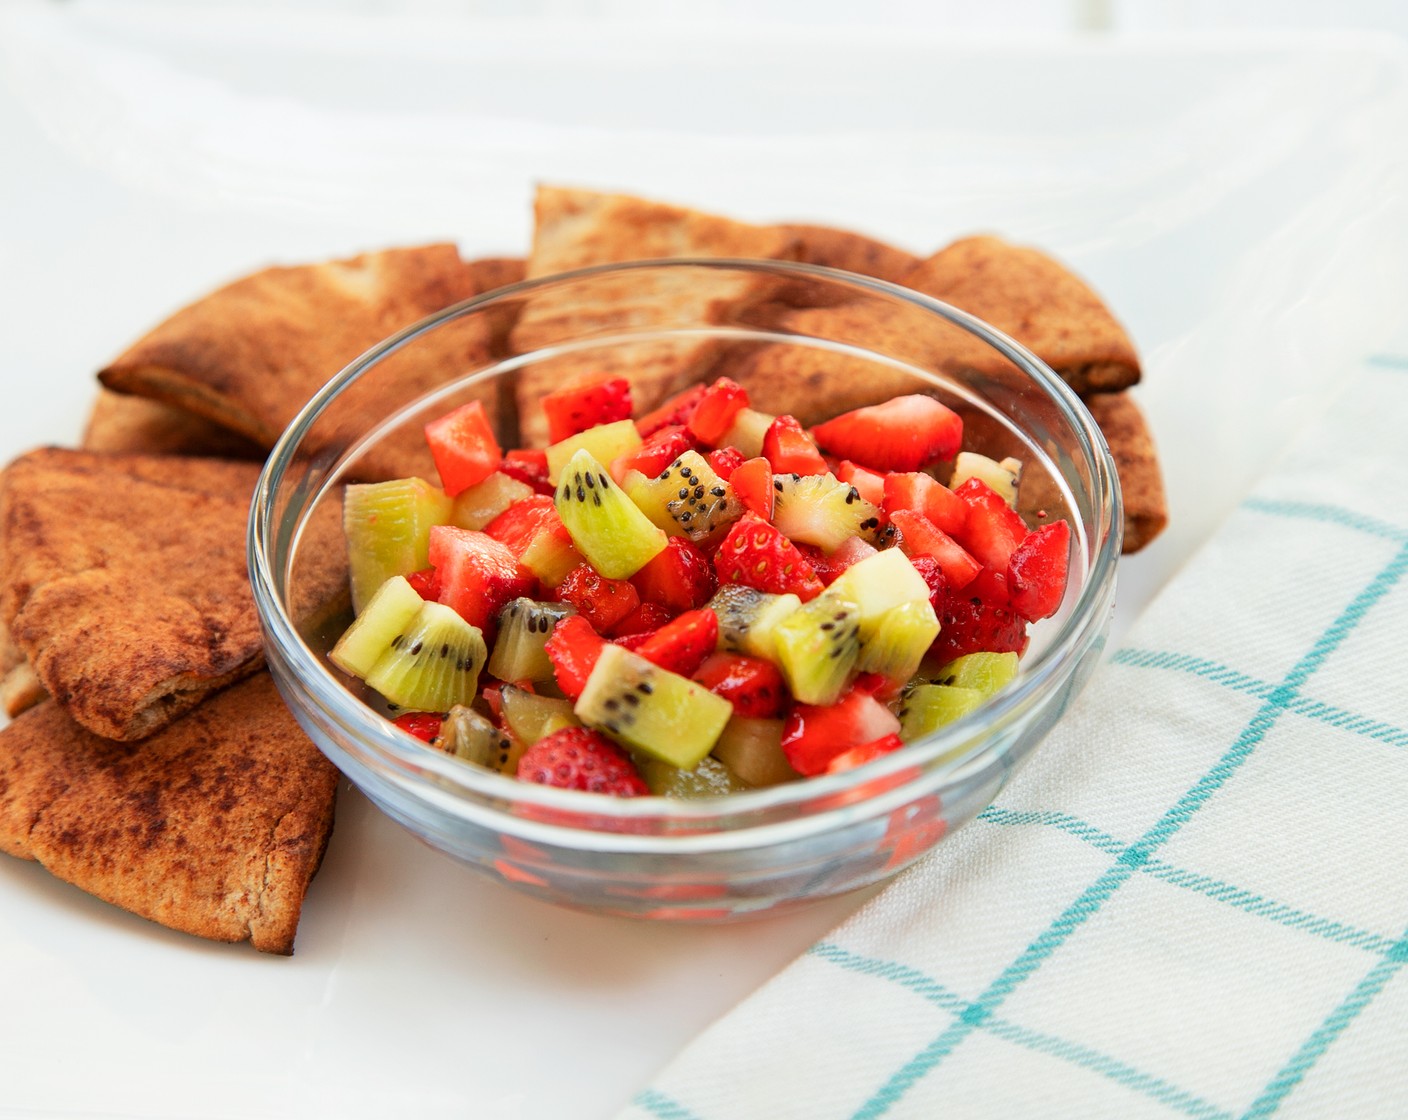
(894, 644)
(988, 673)
(471, 737)
(748, 618)
(605, 525)
(387, 525)
(1002, 476)
(817, 647)
(387, 613)
(687, 498)
(604, 442)
(481, 503)
(433, 664)
(822, 510)
(752, 749)
(651, 710)
(530, 717)
(927, 707)
(710, 778)
(524, 628)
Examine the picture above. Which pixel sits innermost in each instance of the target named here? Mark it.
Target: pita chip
(248, 356)
(122, 423)
(214, 826)
(123, 582)
(577, 228)
(1136, 462)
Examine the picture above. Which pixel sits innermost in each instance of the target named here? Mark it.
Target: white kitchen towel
(1192, 901)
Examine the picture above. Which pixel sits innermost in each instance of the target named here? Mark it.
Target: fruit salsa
(701, 599)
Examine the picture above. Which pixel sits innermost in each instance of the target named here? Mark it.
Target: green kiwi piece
(822, 510)
(604, 442)
(747, 432)
(688, 499)
(817, 647)
(530, 716)
(710, 778)
(1004, 477)
(927, 707)
(879, 582)
(387, 613)
(471, 737)
(651, 710)
(752, 749)
(481, 503)
(605, 525)
(748, 618)
(433, 664)
(989, 673)
(387, 525)
(524, 628)
(894, 644)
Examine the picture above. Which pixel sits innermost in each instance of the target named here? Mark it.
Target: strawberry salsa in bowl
(751, 616)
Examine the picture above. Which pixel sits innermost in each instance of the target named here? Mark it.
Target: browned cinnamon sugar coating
(214, 826)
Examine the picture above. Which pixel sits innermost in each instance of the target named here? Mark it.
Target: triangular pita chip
(123, 423)
(1137, 464)
(214, 826)
(123, 581)
(577, 228)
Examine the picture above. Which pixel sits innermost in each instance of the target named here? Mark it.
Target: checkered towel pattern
(1192, 901)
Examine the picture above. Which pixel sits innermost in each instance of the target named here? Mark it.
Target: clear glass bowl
(747, 853)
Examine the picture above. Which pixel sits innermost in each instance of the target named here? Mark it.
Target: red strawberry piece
(573, 648)
(752, 482)
(790, 450)
(933, 575)
(813, 734)
(423, 725)
(579, 758)
(679, 578)
(921, 537)
(758, 555)
(902, 434)
(866, 752)
(584, 404)
(1037, 571)
(973, 623)
(918, 492)
(602, 602)
(494, 699)
(681, 645)
(528, 465)
(868, 484)
(478, 574)
(753, 686)
(463, 446)
(518, 525)
(677, 410)
(716, 410)
(993, 528)
(640, 623)
(725, 460)
(656, 452)
(426, 583)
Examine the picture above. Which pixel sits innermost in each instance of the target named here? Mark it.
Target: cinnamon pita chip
(1136, 463)
(851, 252)
(577, 228)
(250, 355)
(123, 423)
(123, 581)
(214, 826)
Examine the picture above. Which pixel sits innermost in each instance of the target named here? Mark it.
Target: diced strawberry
(679, 578)
(725, 460)
(602, 602)
(758, 555)
(528, 465)
(866, 752)
(752, 482)
(871, 486)
(790, 450)
(426, 583)
(681, 645)
(463, 446)
(579, 758)
(902, 434)
(478, 574)
(973, 623)
(522, 521)
(921, 537)
(493, 697)
(993, 528)
(930, 571)
(675, 411)
(918, 492)
(423, 725)
(640, 623)
(714, 413)
(656, 452)
(830, 565)
(753, 686)
(573, 647)
(813, 735)
(1037, 571)
(585, 403)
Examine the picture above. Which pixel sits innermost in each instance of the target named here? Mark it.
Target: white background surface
(1239, 201)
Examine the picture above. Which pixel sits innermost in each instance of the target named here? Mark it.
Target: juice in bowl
(783, 608)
